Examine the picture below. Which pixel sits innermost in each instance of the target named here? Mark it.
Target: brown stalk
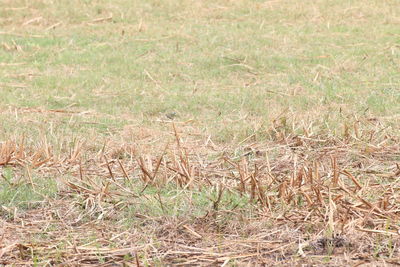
(159, 162)
(6, 153)
(307, 197)
(186, 173)
(137, 260)
(109, 168)
(316, 172)
(176, 136)
(28, 171)
(242, 174)
(218, 200)
(283, 191)
(352, 178)
(299, 179)
(20, 154)
(318, 194)
(123, 170)
(80, 170)
(146, 174)
(335, 168)
(261, 194)
(252, 187)
(310, 176)
(76, 151)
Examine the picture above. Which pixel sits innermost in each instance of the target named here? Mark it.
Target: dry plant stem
(325, 193)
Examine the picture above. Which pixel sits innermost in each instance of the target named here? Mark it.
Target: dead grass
(230, 67)
(311, 199)
(181, 133)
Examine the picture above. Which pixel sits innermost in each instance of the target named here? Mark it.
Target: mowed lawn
(199, 132)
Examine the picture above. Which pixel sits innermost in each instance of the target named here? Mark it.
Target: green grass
(230, 66)
(19, 194)
(109, 73)
(168, 202)
(187, 203)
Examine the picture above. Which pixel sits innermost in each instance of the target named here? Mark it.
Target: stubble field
(211, 133)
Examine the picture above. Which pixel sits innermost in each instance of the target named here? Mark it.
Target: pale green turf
(232, 66)
(17, 193)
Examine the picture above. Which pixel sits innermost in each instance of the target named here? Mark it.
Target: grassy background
(84, 84)
(230, 66)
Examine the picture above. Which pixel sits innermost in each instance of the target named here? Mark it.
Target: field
(211, 133)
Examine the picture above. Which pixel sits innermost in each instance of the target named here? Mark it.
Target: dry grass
(228, 133)
(231, 67)
(311, 199)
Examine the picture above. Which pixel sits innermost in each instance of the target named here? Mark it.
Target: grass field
(218, 133)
